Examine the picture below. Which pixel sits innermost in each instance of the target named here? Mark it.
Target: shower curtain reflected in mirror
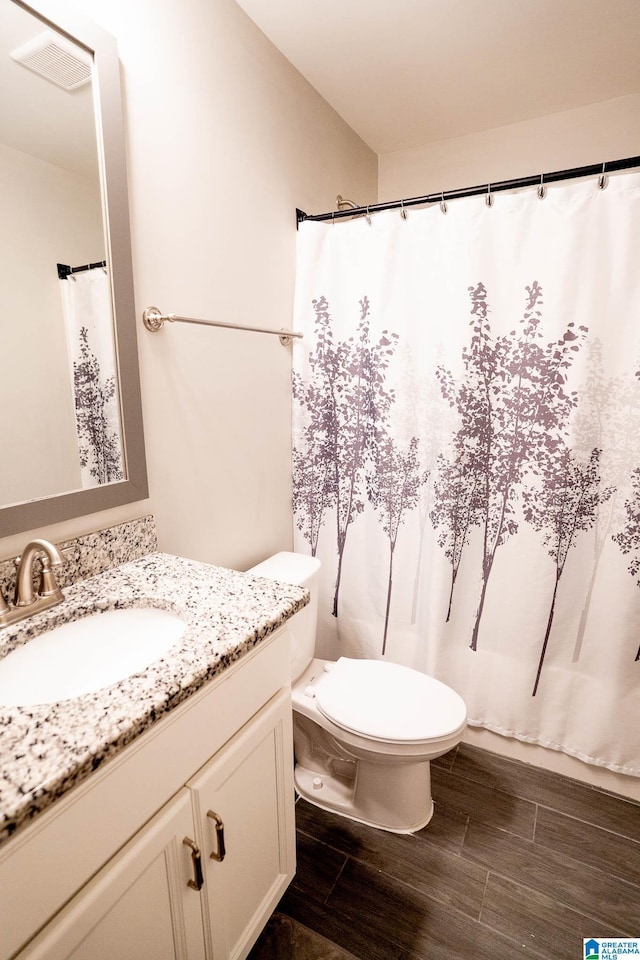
(467, 454)
(86, 305)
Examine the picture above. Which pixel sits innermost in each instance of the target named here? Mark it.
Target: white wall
(592, 134)
(225, 139)
(49, 216)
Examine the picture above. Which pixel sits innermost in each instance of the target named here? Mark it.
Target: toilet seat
(386, 701)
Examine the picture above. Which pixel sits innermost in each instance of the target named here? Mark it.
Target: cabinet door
(244, 801)
(139, 906)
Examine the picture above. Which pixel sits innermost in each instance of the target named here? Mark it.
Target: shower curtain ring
(603, 179)
(403, 212)
(443, 203)
(489, 197)
(542, 190)
(368, 216)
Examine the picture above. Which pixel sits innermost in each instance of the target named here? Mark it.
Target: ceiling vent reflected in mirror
(55, 59)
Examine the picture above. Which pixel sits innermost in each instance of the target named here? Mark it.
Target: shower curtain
(466, 454)
(86, 307)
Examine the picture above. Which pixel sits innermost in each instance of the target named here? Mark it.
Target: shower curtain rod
(595, 169)
(64, 270)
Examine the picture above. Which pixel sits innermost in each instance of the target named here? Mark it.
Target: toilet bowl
(364, 731)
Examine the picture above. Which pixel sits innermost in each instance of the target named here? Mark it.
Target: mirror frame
(28, 515)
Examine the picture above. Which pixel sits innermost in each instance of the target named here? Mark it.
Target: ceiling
(36, 116)
(403, 73)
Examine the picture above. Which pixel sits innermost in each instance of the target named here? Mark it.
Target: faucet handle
(48, 583)
(4, 607)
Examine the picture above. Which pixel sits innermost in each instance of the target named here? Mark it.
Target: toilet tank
(303, 571)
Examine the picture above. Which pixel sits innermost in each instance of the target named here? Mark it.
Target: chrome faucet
(27, 601)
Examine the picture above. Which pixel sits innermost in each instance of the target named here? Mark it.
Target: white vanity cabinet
(243, 802)
(142, 902)
(139, 904)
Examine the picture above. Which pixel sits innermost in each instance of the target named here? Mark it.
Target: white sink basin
(86, 655)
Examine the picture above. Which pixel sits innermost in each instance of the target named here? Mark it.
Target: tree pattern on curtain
(565, 505)
(346, 397)
(394, 479)
(523, 448)
(513, 408)
(98, 442)
(628, 539)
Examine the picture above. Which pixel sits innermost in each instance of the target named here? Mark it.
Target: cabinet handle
(197, 864)
(220, 853)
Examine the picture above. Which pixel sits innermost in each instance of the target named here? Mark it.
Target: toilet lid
(387, 701)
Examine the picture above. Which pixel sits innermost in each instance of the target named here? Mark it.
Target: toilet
(364, 731)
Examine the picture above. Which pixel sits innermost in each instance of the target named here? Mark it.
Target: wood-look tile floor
(516, 862)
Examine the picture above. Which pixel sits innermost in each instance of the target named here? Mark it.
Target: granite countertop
(47, 749)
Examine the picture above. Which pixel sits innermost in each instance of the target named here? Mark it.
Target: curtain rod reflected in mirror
(64, 270)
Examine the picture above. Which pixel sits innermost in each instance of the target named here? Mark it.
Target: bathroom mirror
(69, 379)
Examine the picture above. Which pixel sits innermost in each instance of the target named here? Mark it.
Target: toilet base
(398, 801)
